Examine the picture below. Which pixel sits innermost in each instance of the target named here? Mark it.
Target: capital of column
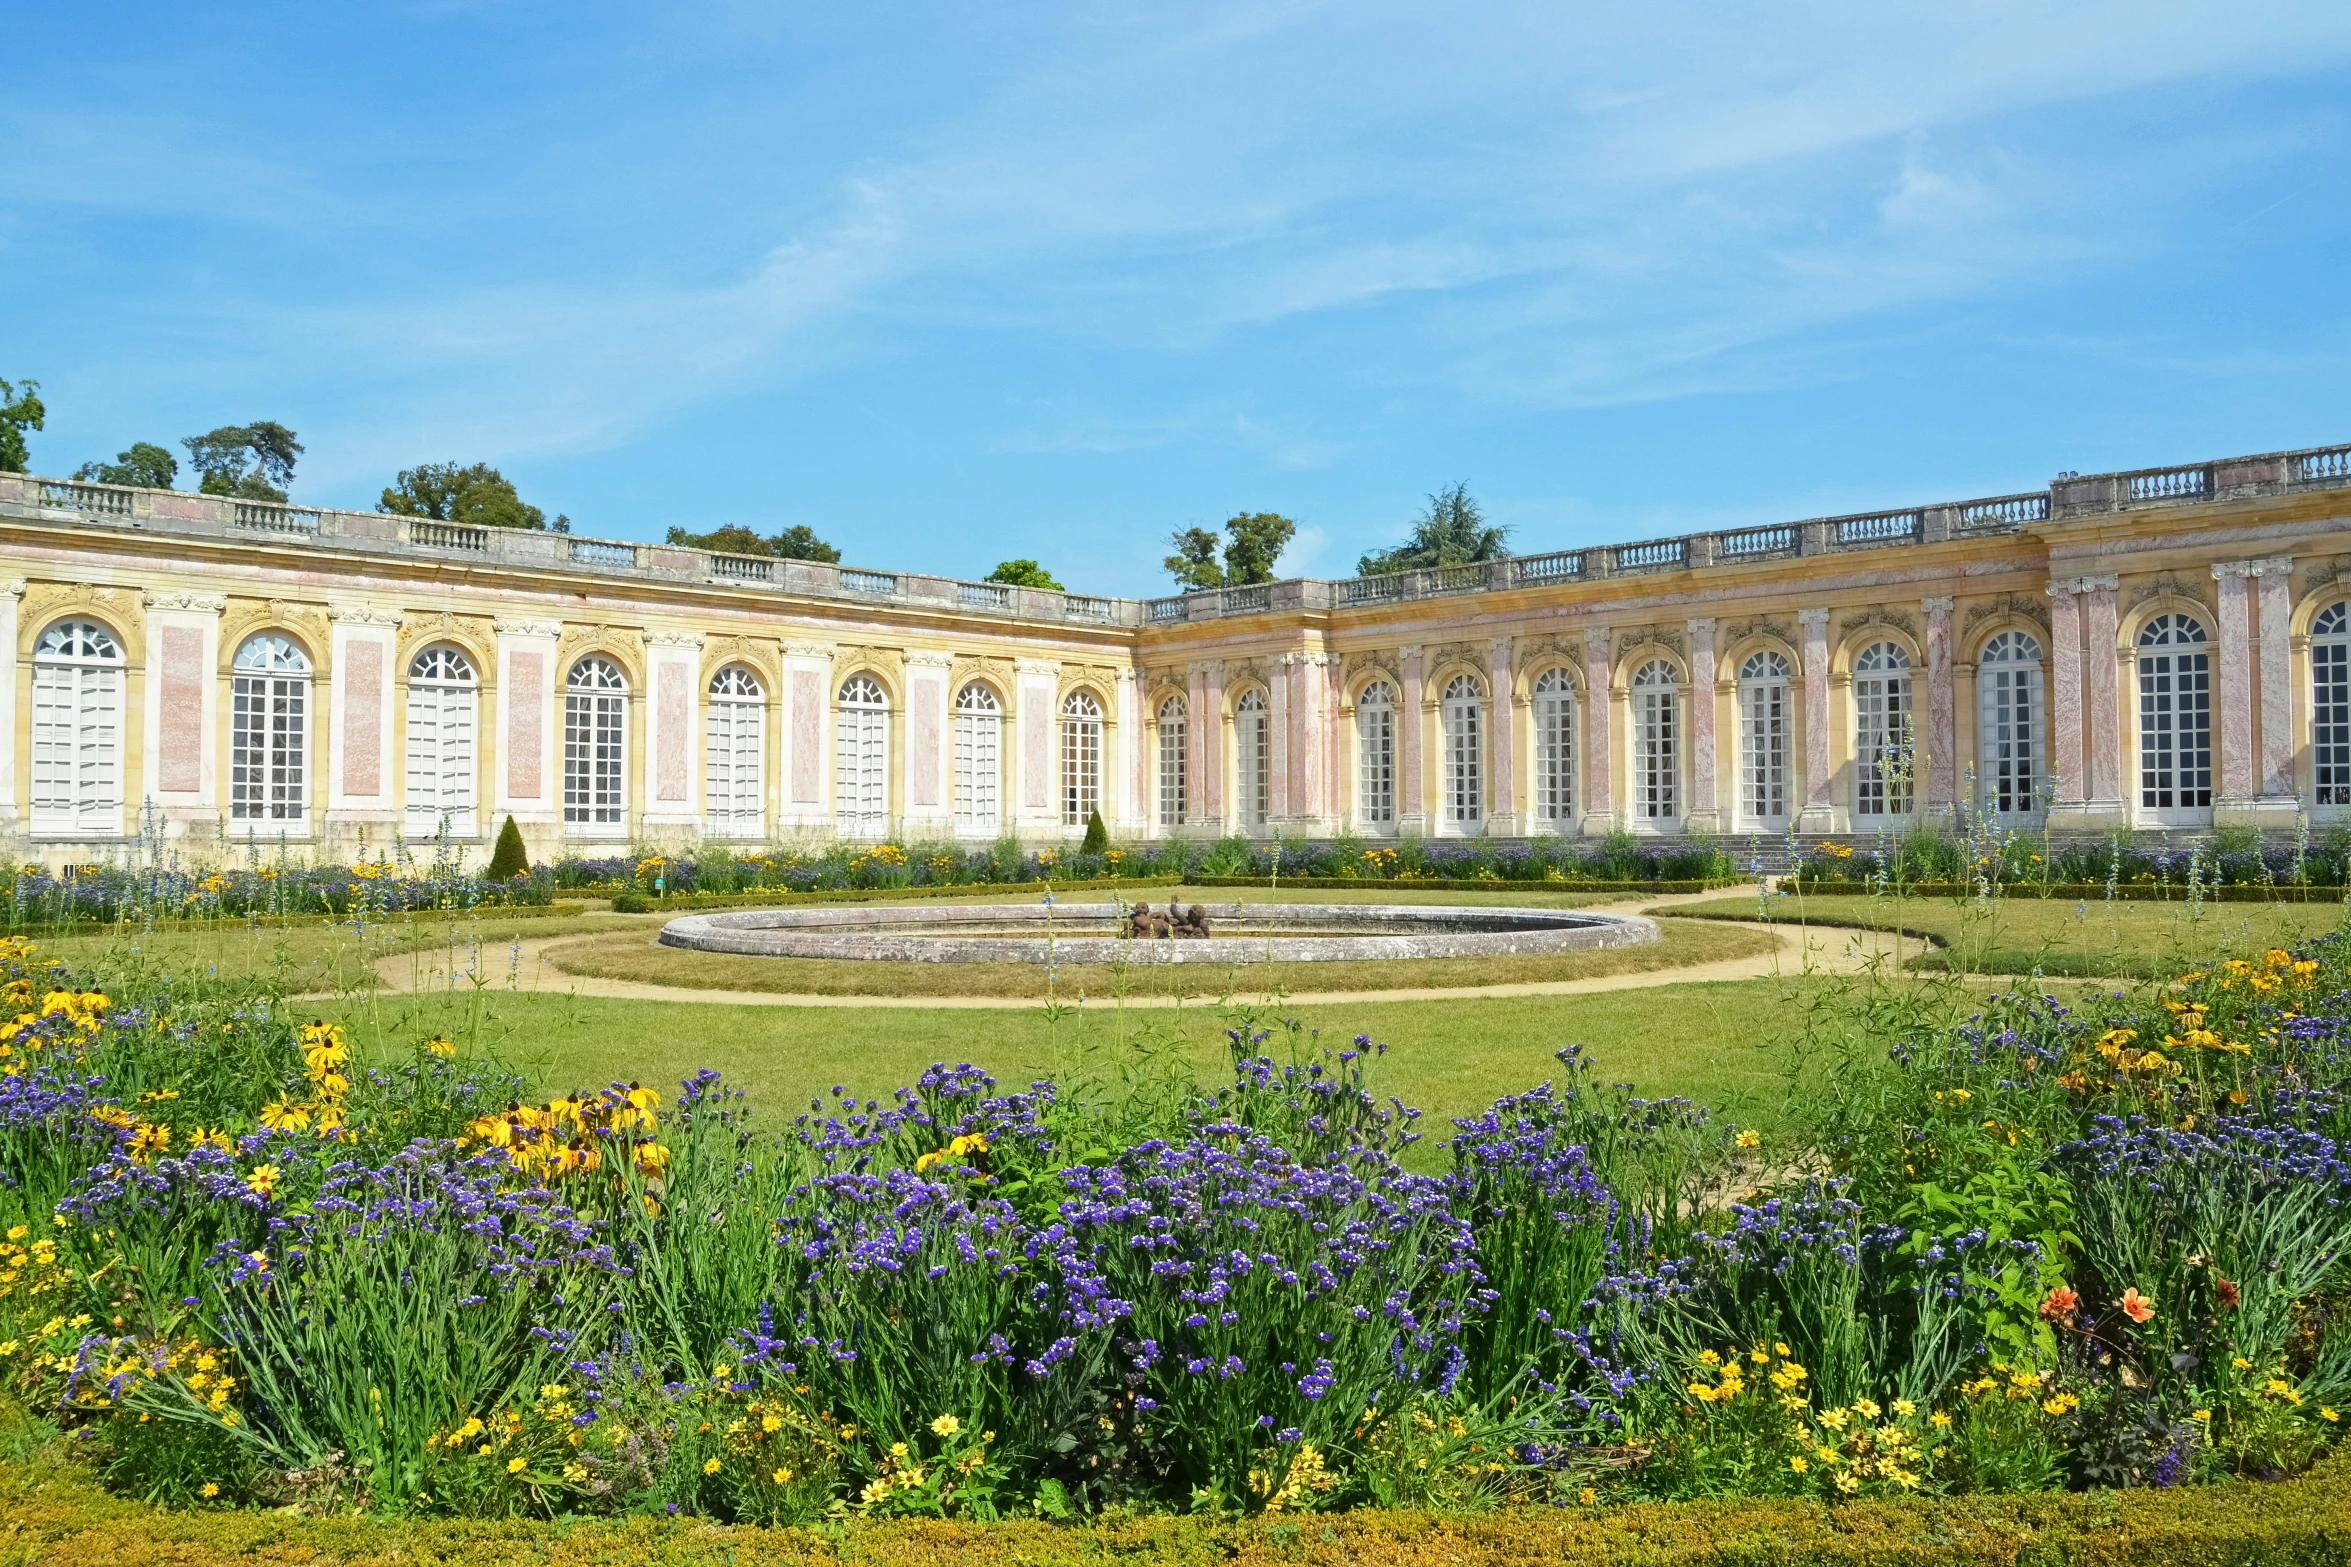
(2105, 582)
(2277, 565)
(1938, 605)
(1701, 626)
(1812, 619)
(1410, 650)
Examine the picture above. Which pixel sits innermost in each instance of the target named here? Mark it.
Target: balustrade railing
(263, 517)
(1243, 601)
(1748, 543)
(2003, 511)
(603, 552)
(881, 583)
(448, 535)
(1557, 566)
(1160, 611)
(983, 595)
(1652, 555)
(1085, 606)
(2168, 484)
(2332, 466)
(100, 500)
(1877, 527)
(743, 568)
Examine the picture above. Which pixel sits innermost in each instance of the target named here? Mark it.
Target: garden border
(784, 897)
(1467, 884)
(2074, 891)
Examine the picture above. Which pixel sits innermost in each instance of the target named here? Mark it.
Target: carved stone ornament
(195, 603)
(2035, 610)
(1471, 653)
(1894, 619)
(547, 630)
(362, 615)
(1638, 637)
(2326, 576)
(2169, 588)
(1370, 659)
(1038, 666)
(929, 658)
(815, 650)
(684, 639)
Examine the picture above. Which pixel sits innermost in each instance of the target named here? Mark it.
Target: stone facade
(2168, 648)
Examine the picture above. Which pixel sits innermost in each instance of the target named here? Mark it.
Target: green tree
(479, 497)
(799, 542)
(146, 465)
(1097, 839)
(1253, 542)
(20, 410)
(1453, 531)
(1022, 574)
(254, 461)
(508, 860)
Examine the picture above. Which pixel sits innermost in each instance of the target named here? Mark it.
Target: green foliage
(1254, 543)
(508, 860)
(1097, 836)
(1022, 574)
(798, 542)
(145, 466)
(1452, 531)
(253, 462)
(478, 497)
(20, 410)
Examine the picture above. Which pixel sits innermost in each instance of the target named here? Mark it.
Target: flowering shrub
(2103, 1244)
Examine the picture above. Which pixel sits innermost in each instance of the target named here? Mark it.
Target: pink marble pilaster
(1212, 747)
(2103, 703)
(673, 695)
(1196, 744)
(1599, 726)
(1502, 790)
(1815, 624)
(183, 711)
(2232, 695)
(1705, 809)
(1037, 724)
(926, 718)
(525, 701)
(2273, 591)
(2067, 772)
(363, 717)
(807, 737)
(1942, 729)
(1409, 722)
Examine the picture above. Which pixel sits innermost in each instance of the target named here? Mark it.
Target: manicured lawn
(634, 955)
(2025, 935)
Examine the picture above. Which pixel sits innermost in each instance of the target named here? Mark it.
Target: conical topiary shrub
(508, 860)
(1097, 836)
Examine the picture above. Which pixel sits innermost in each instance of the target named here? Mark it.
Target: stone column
(1412, 812)
(1129, 798)
(363, 782)
(2232, 696)
(2103, 701)
(1213, 812)
(1942, 727)
(2068, 771)
(1502, 819)
(673, 750)
(183, 660)
(526, 782)
(807, 736)
(930, 746)
(1278, 806)
(1037, 735)
(1705, 812)
(1196, 812)
(2273, 591)
(1818, 814)
(1600, 703)
(13, 817)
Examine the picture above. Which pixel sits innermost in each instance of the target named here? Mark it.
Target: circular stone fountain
(1090, 933)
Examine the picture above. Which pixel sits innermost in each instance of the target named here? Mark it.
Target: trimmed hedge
(2078, 892)
(783, 898)
(54, 1512)
(1462, 884)
(526, 911)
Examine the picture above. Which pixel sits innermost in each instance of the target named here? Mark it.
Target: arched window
(269, 731)
(2008, 734)
(443, 696)
(861, 759)
(1656, 745)
(2330, 704)
(2175, 716)
(1882, 753)
(77, 730)
(1375, 744)
(1763, 738)
(1174, 792)
(1461, 718)
(1081, 758)
(595, 748)
(1252, 760)
(734, 755)
(1554, 749)
(979, 766)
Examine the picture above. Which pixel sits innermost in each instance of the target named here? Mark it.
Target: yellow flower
(263, 1180)
(1748, 1139)
(2328, 1415)
(946, 1425)
(210, 1490)
(1588, 1497)
(515, 1466)
(781, 1475)
(1905, 1408)
(1869, 1410)
(710, 1466)
(1941, 1420)
(278, 1115)
(1798, 1465)
(441, 1046)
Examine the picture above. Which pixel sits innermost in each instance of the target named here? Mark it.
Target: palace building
(2168, 649)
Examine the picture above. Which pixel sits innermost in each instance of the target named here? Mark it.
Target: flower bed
(2076, 892)
(630, 900)
(2042, 1249)
(1472, 884)
(35, 899)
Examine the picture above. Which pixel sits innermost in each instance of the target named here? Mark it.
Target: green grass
(634, 956)
(2019, 936)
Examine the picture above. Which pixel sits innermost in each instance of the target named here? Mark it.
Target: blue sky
(958, 283)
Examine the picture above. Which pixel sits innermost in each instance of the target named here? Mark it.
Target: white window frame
(1554, 794)
(1461, 724)
(1657, 751)
(1765, 788)
(2173, 673)
(861, 758)
(269, 736)
(979, 761)
(438, 743)
(1252, 761)
(2011, 734)
(2330, 706)
(734, 755)
(1882, 734)
(79, 670)
(1375, 757)
(595, 749)
(1174, 755)
(1081, 758)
